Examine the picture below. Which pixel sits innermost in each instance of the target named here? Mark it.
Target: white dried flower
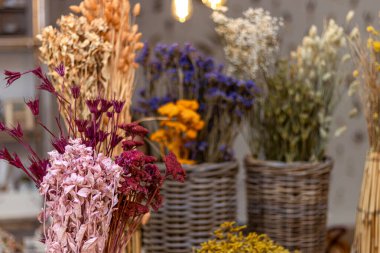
(350, 16)
(250, 41)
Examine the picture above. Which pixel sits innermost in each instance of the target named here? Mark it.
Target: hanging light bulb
(182, 9)
(214, 4)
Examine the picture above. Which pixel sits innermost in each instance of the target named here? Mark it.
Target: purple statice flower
(143, 56)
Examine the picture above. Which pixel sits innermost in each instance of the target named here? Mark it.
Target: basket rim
(253, 164)
(202, 168)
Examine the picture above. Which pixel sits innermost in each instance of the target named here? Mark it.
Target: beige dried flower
(81, 48)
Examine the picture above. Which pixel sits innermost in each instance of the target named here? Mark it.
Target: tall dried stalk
(124, 36)
(108, 30)
(367, 59)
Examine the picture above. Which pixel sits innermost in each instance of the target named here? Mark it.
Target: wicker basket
(289, 202)
(192, 210)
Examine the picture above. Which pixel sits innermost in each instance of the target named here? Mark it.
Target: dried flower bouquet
(210, 104)
(98, 48)
(366, 55)
(92, 203)
(282, 126)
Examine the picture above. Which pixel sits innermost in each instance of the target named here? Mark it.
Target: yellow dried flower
(169, 109)
(230, 238)
(355, 73)
(376, 46)
(372, 30)
(182, 126)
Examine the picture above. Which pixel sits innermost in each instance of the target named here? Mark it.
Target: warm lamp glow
(214, 4)
(182, 9)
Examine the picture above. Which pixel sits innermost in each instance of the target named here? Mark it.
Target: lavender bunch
(172, 73)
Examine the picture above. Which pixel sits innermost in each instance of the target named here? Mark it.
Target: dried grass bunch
(293, 118)
(99, 46)
(81, 47)
(366, 55)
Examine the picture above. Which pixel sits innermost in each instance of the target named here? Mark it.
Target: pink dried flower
(80, 191)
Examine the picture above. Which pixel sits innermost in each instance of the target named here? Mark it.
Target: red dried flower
(5, 155)
(38, 72)
(47, 85)
(11, 76)
(174, 168)
(60, 70)
(17, 131)
(34, 106)
(130, 144)
(2, 126)
(60, 143)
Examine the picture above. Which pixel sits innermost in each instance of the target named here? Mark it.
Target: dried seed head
(75, 9)
(136, 9)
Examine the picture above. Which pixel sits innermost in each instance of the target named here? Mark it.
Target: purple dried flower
(81, 125)
(105, 105)
(75, 91)
(11, 76)
(115, 140)
(60, 70)
(110, 114)
(34, 106)
(102, 136)
(92, 105)
(118, 105)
